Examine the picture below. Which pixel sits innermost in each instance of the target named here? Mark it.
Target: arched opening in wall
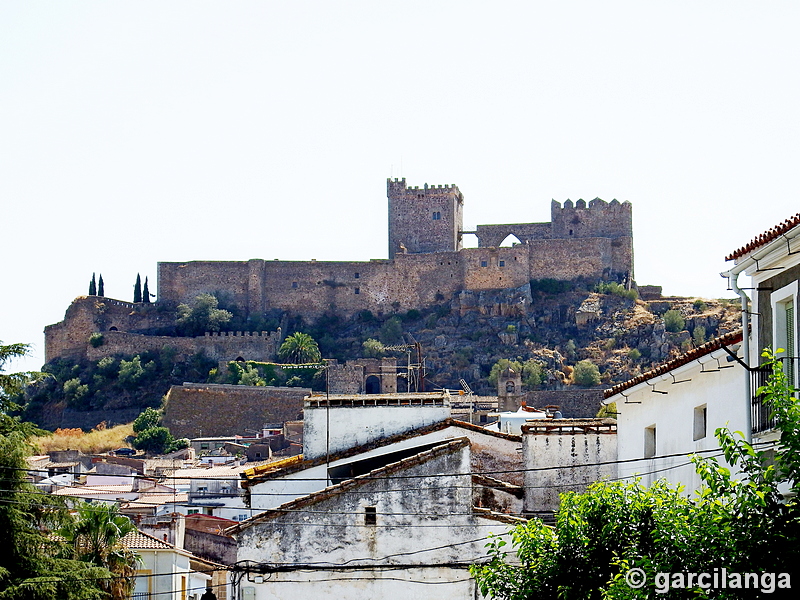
(510, 240)
(469, 240)
(510, 387)
(113, 329)
(372, 385)
(238, 359)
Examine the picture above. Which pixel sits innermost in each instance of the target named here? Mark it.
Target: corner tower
(427, 219)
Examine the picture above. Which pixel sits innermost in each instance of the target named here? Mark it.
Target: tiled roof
(728, 339)
(138, 540)
(766, 237)
(349, 484)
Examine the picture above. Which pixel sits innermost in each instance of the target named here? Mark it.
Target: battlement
(597, 204)
(266, 334)
(399, 185)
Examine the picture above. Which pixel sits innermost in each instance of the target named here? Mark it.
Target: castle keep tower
(424, 220)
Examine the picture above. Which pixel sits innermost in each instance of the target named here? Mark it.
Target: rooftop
(766, 237)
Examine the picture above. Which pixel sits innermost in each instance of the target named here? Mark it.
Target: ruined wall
(494, 235)
(181, 282)
(574, 403)
(195, 410)
(595, 219)
(568, 259)
(495, 268)
(224, 346)
(90, 314)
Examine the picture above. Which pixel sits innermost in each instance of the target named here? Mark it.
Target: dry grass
(96, 441)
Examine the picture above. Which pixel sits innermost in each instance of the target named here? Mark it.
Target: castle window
(570, 231)
(484, 263)
(357, 275)
(358, 290)
(294, 284)
(502, 263)
(437, 215)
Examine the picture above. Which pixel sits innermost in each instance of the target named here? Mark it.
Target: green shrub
(586, 374)
(372, 348)
(147, 419)
(699, 305)
(673, 321)
(634, 354)
(391, 331)
(156, 440)
(96, 340)
(699, 335)
(533, 373)
(412, 315)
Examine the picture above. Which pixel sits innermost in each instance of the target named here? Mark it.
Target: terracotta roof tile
(732, 337)
(138, 540)
(766, 237)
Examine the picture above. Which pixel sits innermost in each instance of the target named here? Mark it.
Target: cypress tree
(100, 288)
(146, 293)
(92, 287)
(137, 289)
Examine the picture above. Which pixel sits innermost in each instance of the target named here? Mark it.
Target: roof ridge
(766, 237)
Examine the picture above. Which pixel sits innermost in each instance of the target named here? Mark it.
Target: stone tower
(509, 390)
(424, 220)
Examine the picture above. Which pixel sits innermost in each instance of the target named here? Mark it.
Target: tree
(12, 387)
(146, 292)
(533, 373)
(137, 289)
(202, 315)
(673, 321)
(586, 373)
(147, 419)
(744, 524)
(101, 291)
(34, 563)
(96, 538)
(391, 331)
(156, 440)
(500, 366)
(299, 348)
(92, 287)
(372, 348)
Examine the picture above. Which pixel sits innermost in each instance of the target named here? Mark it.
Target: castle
(427, 263)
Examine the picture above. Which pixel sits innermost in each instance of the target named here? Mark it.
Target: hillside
(554, 323)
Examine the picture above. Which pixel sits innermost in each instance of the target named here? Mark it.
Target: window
(484, 263)
(502, 263)
(192, 511)
(294, 284)
(209, 511)
(358, 290)
(510, 388)
(204, 446)
(437, 215)
(650, 441)
(241, 517)
(357, 275)
(784, 327)
(370, 515)
(700, 422)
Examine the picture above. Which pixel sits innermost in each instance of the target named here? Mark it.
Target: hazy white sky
(138, 132)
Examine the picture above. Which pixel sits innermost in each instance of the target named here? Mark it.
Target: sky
(133, 133)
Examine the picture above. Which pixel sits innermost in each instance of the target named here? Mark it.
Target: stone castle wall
(194, 410)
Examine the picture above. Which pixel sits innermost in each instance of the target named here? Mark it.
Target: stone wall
(574, 403)
(211, 410)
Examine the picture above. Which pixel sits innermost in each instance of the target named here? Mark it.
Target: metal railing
(762, 417)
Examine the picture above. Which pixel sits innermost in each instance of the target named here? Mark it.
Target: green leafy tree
(133, 372)
(391, 331)
(299, 348)
(500, 366)
(743, 523)
(147, 419)
(155, 440)
(699, 335)
(533, 373)
(96, 537)
(146, 292)
(586, 373)
(12, 388)
(92, 287)
(137, 289)
(674, 321)
(101, 290)
(250, 376)
(372, 348)
(202, 315)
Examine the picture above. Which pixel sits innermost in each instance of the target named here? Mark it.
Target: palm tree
(96, 537)
(299, 348)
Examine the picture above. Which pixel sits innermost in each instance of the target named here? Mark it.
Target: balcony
(762, 420)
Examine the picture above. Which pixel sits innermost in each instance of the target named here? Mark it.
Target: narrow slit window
(370, 515)
(700, 422)
(650, 441)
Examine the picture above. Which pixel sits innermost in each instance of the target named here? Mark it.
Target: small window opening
(700, 422)
(437, 215)
(570, 231)
(358, 290)
(294, 284)
(502, 263)
(370, 515)
(650, 441)
(484, 263)
(357, 275)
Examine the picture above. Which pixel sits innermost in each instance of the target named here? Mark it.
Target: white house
(404, 528)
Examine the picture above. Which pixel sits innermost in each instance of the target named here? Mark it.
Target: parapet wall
(211, 410)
